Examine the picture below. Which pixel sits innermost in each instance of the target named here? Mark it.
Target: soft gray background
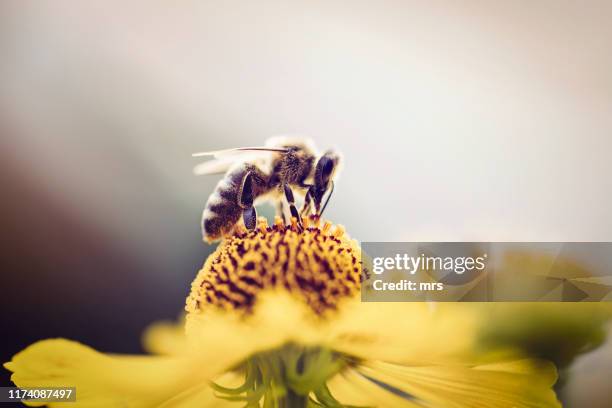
(485, 121)
(458, 119)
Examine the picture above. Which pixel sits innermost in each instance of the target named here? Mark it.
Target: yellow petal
(104, 380)
(203, 396)
(165, 338)
(406, 332)
(397, 332)
(519, 384)
(352, 388)
(278, 319)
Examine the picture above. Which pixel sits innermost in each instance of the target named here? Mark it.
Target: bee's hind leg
(291, 201)
(245, 200)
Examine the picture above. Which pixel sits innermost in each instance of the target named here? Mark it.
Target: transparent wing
(224, 159)
(218, 166)
(230, 152)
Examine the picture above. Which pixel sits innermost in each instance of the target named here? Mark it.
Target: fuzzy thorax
(316, 263)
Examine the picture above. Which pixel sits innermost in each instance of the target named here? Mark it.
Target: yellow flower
(274, 319)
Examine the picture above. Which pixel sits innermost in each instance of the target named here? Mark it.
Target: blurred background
(471, 120)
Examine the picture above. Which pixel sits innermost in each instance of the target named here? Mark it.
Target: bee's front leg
(307, 201)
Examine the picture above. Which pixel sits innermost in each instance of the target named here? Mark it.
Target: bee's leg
(250, 218)
(280, 211)
(245, 200)
(291, 201)
(307, 202)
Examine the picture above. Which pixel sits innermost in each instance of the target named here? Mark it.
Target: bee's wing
(230, 152)
(218, 166)
(224, 159)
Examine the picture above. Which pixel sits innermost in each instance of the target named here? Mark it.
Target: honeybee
(271, 172)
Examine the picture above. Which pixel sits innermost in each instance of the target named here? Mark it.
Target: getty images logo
(412, 264)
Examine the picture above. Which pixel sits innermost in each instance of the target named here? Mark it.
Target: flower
(274, 319)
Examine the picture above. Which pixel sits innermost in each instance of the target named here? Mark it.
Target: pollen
(319, 265)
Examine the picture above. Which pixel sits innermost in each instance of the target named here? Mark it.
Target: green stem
(293, 400)
(286, 377)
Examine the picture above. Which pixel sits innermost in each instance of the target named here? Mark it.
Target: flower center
(316, 263)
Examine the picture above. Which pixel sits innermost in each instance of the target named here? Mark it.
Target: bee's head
(326, 167)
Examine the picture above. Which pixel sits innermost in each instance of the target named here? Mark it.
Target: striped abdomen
(222, 210)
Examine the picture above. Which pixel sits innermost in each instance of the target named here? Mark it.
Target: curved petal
(203, 396)
(406, 332)
(397, 332)
(353, 389)
(165, 337)
(278, 319)
(106, 380)
(518, 384)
